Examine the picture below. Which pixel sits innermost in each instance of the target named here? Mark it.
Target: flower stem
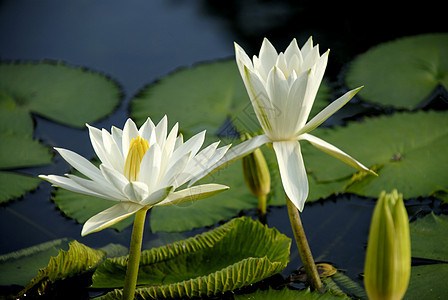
(130, 281)
(304, 248)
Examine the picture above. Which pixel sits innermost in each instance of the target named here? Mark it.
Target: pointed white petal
(328, 111)
(173, 171)
(161, 131)
(136, 191)
(307, 47)
(278, 90)
(335, 152)
(96, 139)
(292, 171)
(263, 107)
(242, 59)
(81, 164)
(232, 155)
(110, 217)
(70, 185)
(296, 98)
(169, 145)
(117, 135)
(114, 156)
(193, 193)
(117, 179)
(130, 132)
(146, 131)
(292, 51)
(107, 191)
(150, 167)
(191, 146)
(268, 55)
(157, 196)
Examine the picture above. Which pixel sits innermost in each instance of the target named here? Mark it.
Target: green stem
(304, 248)
(130, 281)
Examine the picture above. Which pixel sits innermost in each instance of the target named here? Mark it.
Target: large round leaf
(407, 150)
(401, 73)
(204, 97)
(68, 95)
(236, 254)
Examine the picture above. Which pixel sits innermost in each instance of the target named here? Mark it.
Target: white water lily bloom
(140, 168)
(282, 88)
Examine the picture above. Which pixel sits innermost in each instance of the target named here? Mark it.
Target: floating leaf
(78, 259)
(204, 97)
(407, 150)
(401, 73)
(236, 254)
(428, 236)
(68, 95)
(21, 266)
(427, 282)
(14, 185)
(288, 294)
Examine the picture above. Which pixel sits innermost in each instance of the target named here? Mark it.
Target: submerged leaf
(78, 259)
(402, 73)
(236, 254)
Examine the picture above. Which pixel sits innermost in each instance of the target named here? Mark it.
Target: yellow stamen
(137, 150)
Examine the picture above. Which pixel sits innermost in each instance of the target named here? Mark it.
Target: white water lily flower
(282, 88)
(140, 168)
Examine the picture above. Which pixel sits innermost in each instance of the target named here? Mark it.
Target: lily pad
(236, 254)
(78, 259)
(401, 73)
(407, 150)
(204, 96)
(21, 266)
(428, 282)
(14, 185)
(67, 95)
(428, 236)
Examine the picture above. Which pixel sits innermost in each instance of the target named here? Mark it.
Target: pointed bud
(388, 259)
(256, 172)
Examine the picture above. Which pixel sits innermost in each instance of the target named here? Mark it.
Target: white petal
(335, 152)
(242, 59)
(117, 135)
(261, 102)
(169, 145)
(150, 167)
(278, 90)
(114, 156)
(146, 131)
(81, 164)
(174, 170)
(268, 55)
(136, 191)
(161, 131)
(117, 179)
(157, 196)
(292, 52)
(96, 139)
(307, 47)
(328, 111)
(191, 146)
(296, 98)
(292, 171)
(69, 184)
(232, 155)
(130, 132)
(106, 191)
(110, 217)
(193, 193)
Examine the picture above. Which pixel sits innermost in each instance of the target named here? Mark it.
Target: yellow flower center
(137, 150)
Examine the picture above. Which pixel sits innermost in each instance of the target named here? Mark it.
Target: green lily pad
(428, 282)
(204, 97)
(401, 73)
(428, 236)
(67, 95)
(288, 294)
(14, 185)
(407, 150)
(21, 266)
(76, 260)
(236, 254)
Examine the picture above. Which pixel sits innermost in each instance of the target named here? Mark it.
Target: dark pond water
(137, 42)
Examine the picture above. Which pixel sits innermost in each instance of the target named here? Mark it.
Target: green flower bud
(256, 172)
(388, 260)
